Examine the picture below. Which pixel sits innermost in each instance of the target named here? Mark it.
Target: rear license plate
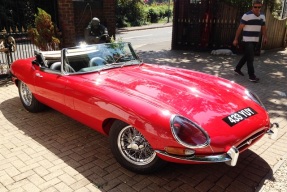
(239, 116)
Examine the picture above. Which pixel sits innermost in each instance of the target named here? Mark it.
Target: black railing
(17, 16)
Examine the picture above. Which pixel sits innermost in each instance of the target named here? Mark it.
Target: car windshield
(98, 57)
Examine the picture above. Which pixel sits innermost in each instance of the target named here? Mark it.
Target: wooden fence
(276, 32)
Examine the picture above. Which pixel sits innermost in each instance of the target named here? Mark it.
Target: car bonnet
(200, 97)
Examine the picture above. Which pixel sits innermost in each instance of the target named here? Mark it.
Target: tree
(130, 11)
(44, 35)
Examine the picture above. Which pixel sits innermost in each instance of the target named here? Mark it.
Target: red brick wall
(109, 10)
(74, 16)
(66, 22)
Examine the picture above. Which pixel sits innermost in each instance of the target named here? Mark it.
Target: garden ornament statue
(96, 32)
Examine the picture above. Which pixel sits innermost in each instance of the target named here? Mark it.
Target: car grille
(248, 142)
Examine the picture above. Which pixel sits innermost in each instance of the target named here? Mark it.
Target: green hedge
(157, 12)
(136, 13)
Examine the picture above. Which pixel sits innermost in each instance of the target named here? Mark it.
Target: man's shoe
(238, 72)
(253, 79)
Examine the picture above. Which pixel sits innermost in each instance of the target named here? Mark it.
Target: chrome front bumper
(229, 158)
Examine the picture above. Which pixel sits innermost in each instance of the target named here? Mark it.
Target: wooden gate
(204, 24)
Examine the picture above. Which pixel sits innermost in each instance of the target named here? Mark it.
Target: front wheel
(30, 103)
(132, 150)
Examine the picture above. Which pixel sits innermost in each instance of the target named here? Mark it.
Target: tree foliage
(140, 12)
(130, 12)
(274, 5)
(248, 3)
(44, 35)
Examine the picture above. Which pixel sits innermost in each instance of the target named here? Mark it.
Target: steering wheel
(97, 61)
(123, 56)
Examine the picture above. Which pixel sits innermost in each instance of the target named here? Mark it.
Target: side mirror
(34, 62)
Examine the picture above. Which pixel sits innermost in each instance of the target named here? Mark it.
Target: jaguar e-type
(151, 113)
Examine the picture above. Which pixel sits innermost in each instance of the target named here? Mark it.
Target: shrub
(129, 11)
(44, 35)
(153, 15)
(139, 12)
(157, 12)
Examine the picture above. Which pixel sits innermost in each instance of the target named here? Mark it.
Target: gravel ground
(278, 181)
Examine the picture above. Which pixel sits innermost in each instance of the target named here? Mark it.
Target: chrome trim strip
(250, 141)
(231, 156)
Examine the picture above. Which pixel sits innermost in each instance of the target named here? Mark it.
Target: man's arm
(264, 34)
(237, 34)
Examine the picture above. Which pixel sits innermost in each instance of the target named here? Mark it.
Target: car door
(85, 94)
(50, 88)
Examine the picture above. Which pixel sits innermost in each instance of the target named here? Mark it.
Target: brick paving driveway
(48, 151)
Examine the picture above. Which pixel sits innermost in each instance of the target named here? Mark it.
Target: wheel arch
(107, 124)
(150, 131)
(16, 81)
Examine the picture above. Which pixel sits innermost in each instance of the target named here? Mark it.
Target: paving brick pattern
(49, 151)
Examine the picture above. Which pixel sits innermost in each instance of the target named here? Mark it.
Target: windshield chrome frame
(64, 55)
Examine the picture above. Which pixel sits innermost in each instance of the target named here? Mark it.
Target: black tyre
(30, 103)
(132, 150)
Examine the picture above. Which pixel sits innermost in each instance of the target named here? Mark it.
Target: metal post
(168, 15)
(283, 11)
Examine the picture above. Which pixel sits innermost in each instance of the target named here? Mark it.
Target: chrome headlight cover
(181, 125)
(254, 98)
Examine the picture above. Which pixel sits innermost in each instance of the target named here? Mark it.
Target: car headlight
(254, 97)
(188, 133)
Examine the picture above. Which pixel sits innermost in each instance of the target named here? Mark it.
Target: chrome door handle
(38, 75)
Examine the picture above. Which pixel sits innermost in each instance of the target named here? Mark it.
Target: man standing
(252, 24)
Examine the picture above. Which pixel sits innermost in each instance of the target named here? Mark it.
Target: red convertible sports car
(152, 114)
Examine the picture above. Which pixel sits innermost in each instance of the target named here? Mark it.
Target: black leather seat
(56, 66)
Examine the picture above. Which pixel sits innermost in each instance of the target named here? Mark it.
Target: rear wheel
(30, 103)
(132, 150)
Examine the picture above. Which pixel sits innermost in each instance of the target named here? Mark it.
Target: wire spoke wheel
(25, 94)
(30, 103)
(132, 150)
(134, 147)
